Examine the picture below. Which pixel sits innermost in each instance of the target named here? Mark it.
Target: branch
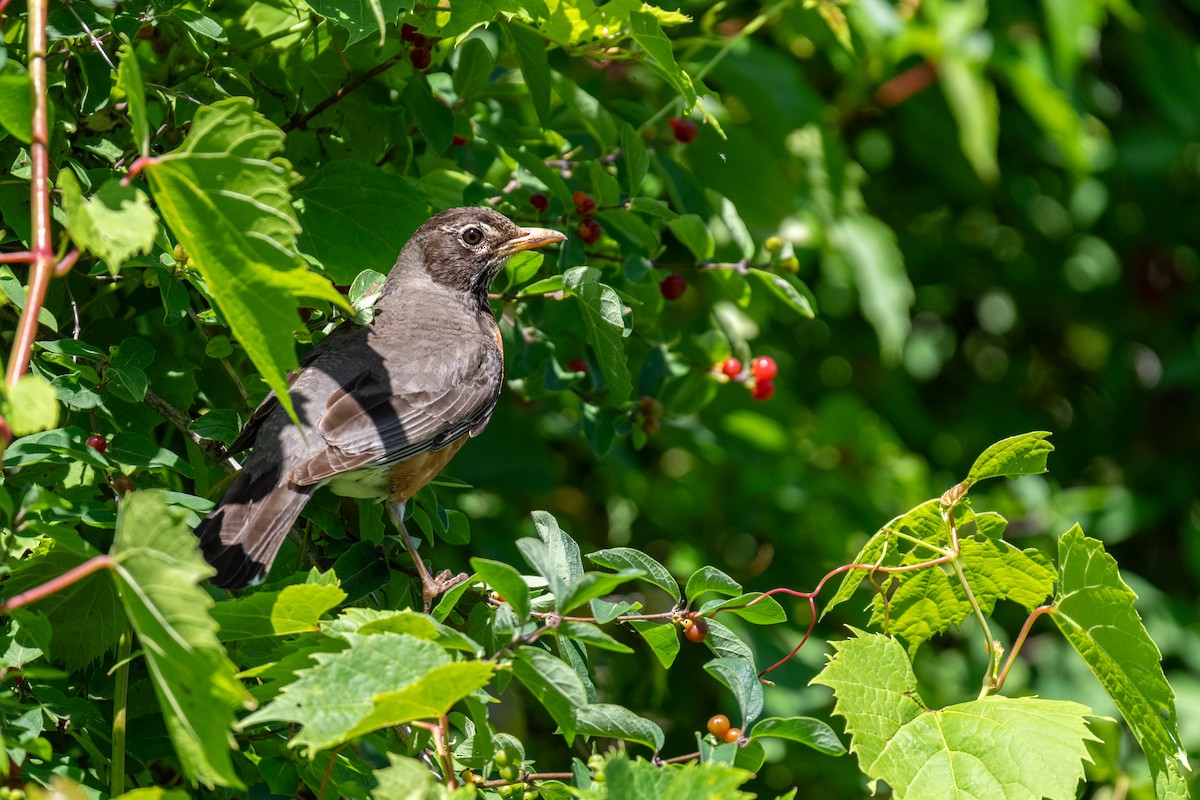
(336, 97)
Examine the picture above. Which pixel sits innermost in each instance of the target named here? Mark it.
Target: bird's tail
(241, 536)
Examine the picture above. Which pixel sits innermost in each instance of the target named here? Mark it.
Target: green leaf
(605, 325)
(157, 571)
(972, 100)
(662, 638)
(637, 159)
(129, 81)
(535, 67)
(554, 684)
(293, 609)
(227, 202)
(626, 558)
(618, 722)
(28, 406)
(605, 611)
(997, 747)
(997, 570)
(406, 779)
(434, 119)
(884, 290)
(927, 602)
(591, 634)
(794, 294)
(507, 581)
(766, 611)
(356, 216)
(362, 18)
(220, 424)
(475, 65)
(536, 166)
(694, 234)
(647, 33)
(807, 731)
(643, 780)
(592, 585)
(1025, 454)
(16, 102)
(128, 365)
(114, 224)
(741, 679)
(710, 579)
(1094, 610)
(374, 682)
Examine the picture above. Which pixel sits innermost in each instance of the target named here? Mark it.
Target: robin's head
(466, 247)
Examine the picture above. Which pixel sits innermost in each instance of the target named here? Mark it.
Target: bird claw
(444, 582)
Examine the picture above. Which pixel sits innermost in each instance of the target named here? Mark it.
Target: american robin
(383, 406)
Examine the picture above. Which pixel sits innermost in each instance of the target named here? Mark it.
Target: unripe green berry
(773, 244)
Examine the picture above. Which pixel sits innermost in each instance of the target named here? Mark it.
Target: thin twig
(340, 94)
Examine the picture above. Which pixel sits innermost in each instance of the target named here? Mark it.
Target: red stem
(1019, 643)
(48, 588)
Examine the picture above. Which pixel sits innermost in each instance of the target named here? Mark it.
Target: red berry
(421, 57)
(733, 734)
(764, 368)
(718, 725)
(695, 629)
(97, 443)
(732, 367)
(762, 390)
(459, 141)
(673, 286)
(577, 365)
(539, 201)
(589, 231)
(409, 34)
(685, 130)
(583, 203)
(122, 484)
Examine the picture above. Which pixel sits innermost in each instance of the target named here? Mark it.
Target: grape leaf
(29, 406)
(996, 747)
(1094, 609)
(157, 571)
(227, 201)
(1017, 455)
(114, 224)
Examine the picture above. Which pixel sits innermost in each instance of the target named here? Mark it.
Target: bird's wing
(386, 414)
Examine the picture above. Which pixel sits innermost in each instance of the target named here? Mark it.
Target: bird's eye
(472, 236)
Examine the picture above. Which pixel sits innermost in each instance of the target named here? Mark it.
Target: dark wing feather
(373, 421)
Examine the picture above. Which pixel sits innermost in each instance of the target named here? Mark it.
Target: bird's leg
(431, 587)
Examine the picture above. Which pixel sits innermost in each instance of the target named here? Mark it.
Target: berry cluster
(121, 484)
(589, 229)
(421, 54)
(718, 726)
(651, 411)
(759, 379)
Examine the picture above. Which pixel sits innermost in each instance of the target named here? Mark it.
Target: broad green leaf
(1025, 454)
(927, 602)
(807, 731)
(662, 637)
(626, 779)
(129, 81)
(605, 325)
(293, 609)
(997, 747)
(362, 18)
(592, 635)
(202, 24)
(127, 365)
(475, 66)
(554, 684)
(406, 779)
(507, 582)
(766, 611)
(535, 67)
(430, 696)
(592, 585)
(637, 160)
(627, 558)
(114, 224)
(694, 234)
(740, 677)
(605, 611)
(618, 722)
(227, 201)
(435, 120)
(357, 216)
(884, 290)
(647, 33)
(157, 571)
(710, 579)
(29, 406)
(997, 570)
(883, 549)
(536, 166)
(85, 617)
(330, 699)
(794, 294)
(16, 102)
(522, 267)
(569, 22)
(1094, 609)
(724, 643)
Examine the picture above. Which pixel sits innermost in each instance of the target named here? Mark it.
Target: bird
(382, 407)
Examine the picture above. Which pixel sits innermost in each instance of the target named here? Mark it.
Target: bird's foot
(431, 587)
